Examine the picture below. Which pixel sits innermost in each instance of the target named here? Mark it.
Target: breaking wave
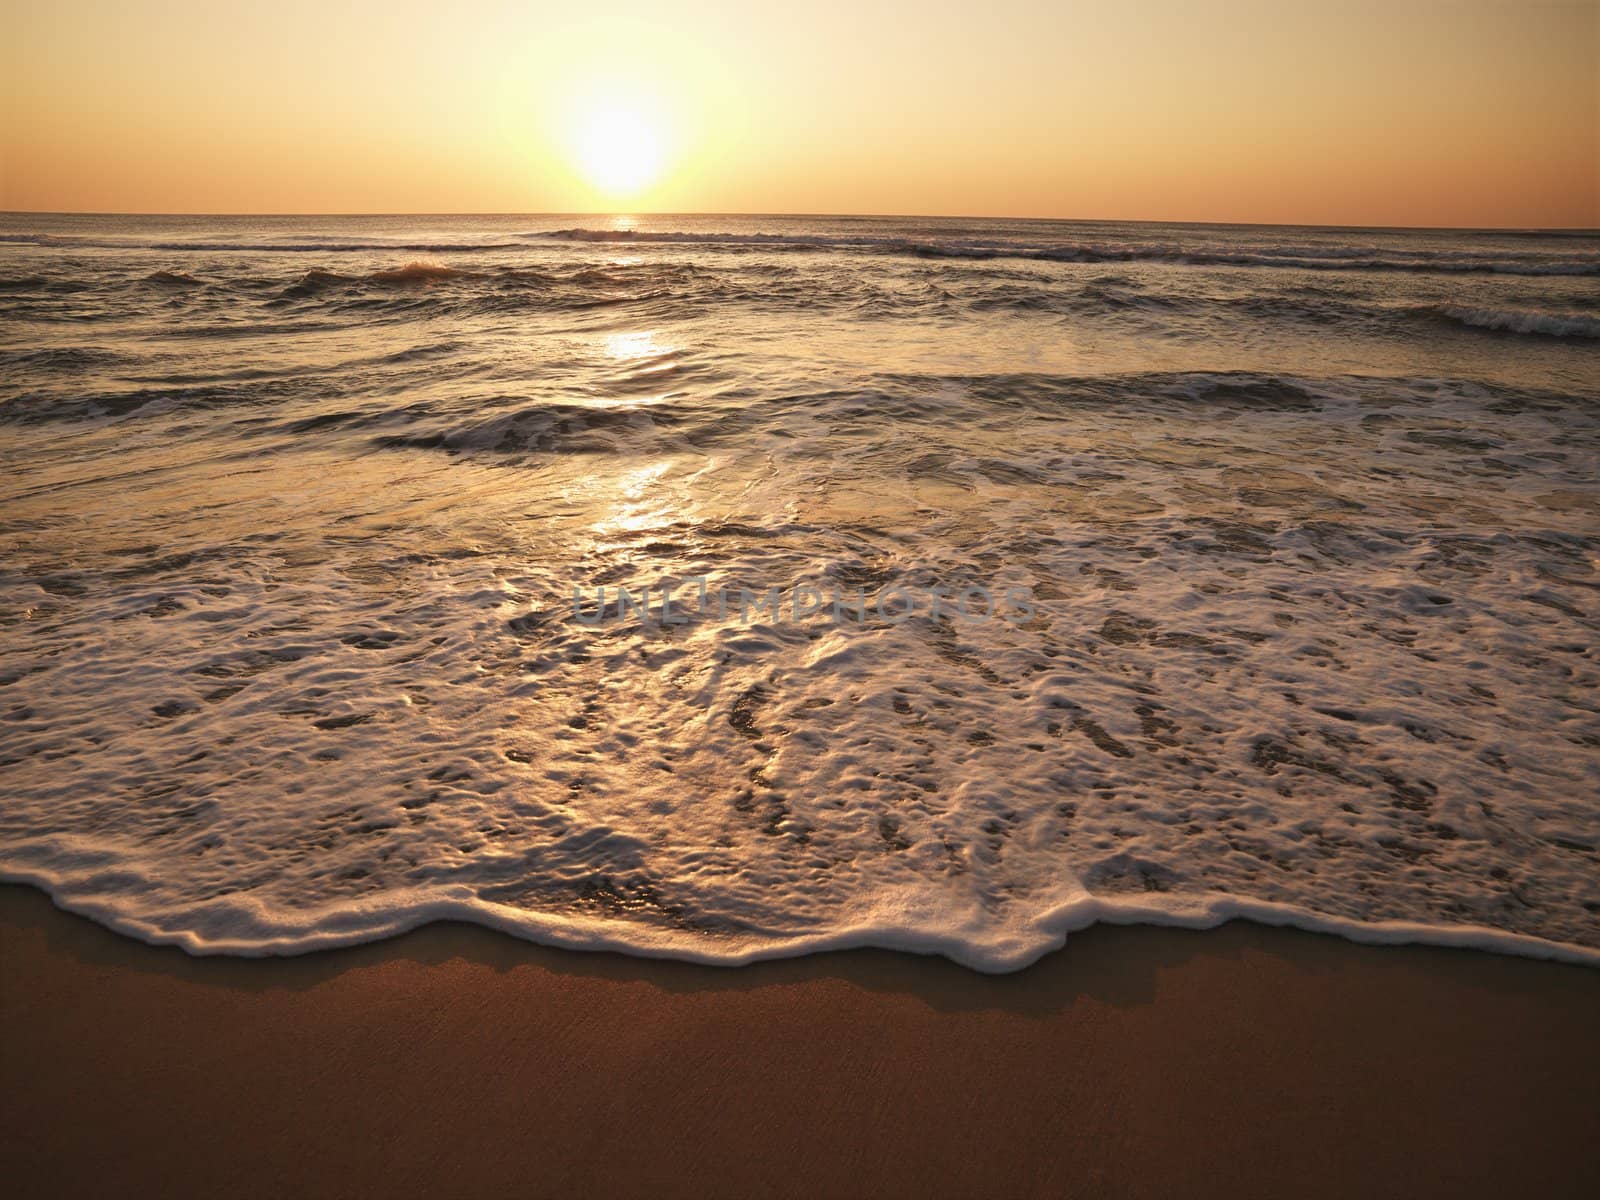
(1524, 321)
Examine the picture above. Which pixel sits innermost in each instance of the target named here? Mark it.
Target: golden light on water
(628, 347)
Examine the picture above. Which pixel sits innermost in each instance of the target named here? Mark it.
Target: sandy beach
(1139, 1062)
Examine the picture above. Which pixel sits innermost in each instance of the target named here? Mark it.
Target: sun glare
(620, 149)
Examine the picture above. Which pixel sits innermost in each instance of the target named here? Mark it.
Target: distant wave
(1318, 257)
(172, 279)
(308, 246)
(313, 282)
(1310, 258)
(494, 289)
(38, 283)
(411, 275)
(1523, 321)
(62, 358)
(416, 272)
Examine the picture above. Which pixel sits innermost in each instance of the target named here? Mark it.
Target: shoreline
(597, 935)
(1140, 1060)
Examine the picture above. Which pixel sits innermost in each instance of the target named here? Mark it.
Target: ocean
(724, 588)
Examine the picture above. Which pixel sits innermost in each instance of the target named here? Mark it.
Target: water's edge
(597, 935)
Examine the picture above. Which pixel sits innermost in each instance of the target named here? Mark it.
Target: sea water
(312, 530)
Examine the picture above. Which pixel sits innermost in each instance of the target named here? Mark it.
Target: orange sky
(1411, 112)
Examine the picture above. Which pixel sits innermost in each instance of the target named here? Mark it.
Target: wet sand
(1140, 1062)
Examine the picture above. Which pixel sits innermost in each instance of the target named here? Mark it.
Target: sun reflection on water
(630, 347)
(637, 501)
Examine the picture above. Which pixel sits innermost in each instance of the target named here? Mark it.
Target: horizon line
(1592, 230)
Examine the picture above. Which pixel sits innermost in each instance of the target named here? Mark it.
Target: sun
(620, 148)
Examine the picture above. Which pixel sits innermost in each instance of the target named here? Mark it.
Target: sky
(1478, 113)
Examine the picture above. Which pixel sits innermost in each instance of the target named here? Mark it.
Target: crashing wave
(1524, 321)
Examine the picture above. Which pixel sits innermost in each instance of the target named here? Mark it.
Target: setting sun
(619, 149)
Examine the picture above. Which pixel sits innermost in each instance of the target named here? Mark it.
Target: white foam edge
(372, 919)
